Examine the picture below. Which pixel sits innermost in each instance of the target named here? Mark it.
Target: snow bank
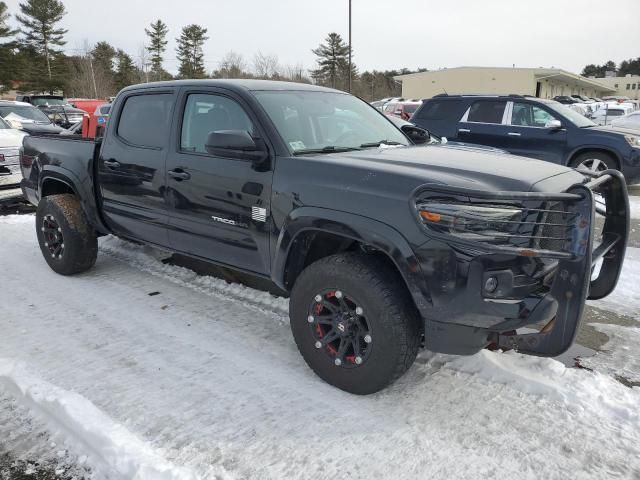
(578, 390)
(635, 206)
(110, 446)
(148, 260)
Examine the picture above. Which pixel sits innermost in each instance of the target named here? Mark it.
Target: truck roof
(237, 84)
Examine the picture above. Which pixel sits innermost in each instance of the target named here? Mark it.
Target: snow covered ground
(203, 381)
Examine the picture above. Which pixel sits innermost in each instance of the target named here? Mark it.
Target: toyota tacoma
(383, 246)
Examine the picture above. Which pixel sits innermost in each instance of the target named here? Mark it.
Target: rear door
(529, 136)
(132, 166)
(440, 116)
(219, 206)
(483, 123)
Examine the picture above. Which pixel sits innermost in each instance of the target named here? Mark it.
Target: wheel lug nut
(310, 319)
(338, 362)
(318, 298)
(358, 360)
(338, 294)
(367, 338)
(359, 311)
(318, 344)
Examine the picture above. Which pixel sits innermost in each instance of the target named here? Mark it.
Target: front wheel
(68, 242)
(595, 162)
(354, 322)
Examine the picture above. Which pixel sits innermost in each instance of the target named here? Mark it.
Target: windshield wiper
(377, 144)
(327, 149)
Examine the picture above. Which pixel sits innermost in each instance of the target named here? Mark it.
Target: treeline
(626, 67)
(32, 59)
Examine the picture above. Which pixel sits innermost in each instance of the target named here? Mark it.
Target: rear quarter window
(145, 118)
(441, 110)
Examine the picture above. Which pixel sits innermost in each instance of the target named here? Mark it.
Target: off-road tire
(603, 161)
(393, 319)
(79, 238)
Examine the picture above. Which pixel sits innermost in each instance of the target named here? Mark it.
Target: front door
(218, 206)
(131, 167)
(529, 136)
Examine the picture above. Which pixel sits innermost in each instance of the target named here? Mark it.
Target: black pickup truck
(382, 246)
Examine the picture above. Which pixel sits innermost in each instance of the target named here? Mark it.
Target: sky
(387, 34)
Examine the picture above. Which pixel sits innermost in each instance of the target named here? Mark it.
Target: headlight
(487, 223)
(633, 140)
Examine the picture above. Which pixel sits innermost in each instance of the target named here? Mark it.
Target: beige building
(627, 86)
(540, 82)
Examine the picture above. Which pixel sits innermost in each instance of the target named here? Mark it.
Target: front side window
(486, 112)
(315, 120)
(145, 120)
(206, 113)
(527, 115)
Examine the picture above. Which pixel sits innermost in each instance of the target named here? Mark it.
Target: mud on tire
(68, 242)
(368, 285)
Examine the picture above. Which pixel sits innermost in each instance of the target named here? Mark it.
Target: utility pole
(349, 46)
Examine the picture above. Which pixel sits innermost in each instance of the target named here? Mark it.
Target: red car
(402, 110)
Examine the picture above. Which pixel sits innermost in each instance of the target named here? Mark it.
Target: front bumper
(10, 175)
(466, 317)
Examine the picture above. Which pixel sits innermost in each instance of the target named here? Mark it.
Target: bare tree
(88, 79)
(295, 73)
(232, 65)
(266, 66)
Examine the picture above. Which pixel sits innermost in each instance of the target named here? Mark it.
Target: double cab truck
(382, 246)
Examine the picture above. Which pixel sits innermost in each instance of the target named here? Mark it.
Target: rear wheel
(354, 322)
(67, 241)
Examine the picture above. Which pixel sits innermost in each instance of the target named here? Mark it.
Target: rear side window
(486, 112)
(144, 120)
(441, 110)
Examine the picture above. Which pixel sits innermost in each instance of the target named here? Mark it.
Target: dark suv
(532, 127)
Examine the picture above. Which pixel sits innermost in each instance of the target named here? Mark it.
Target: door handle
(111, 164)
(514, 134)
(179, 174)
(464, 130)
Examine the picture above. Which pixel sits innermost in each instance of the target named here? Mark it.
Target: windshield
(4, 125)
(574, 117)
(30, 113)
(38, 102)
(313, 121)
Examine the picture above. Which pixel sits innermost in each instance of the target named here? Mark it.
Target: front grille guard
(573, 282)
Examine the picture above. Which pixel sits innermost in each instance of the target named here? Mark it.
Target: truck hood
(455, 164)
(10, 137)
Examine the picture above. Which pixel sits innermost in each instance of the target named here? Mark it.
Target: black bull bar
(576, 279)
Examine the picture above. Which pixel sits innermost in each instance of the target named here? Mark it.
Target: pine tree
(38, 19)
(190, 52)
(333, 62)
(126, 71)
(7, 60)
(103, 55)
(157, 34)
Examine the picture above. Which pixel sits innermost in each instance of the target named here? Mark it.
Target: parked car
(631, 121)
(605, 115)
(28, 118)
(581, 108)
(532, 127)
(56, 107)
(10, 176)
(378, 248)
(402, 110)
(584, 98)
(566, 100)
(75, 129)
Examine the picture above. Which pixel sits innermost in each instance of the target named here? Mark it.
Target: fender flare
(366, 230)
(85, 193)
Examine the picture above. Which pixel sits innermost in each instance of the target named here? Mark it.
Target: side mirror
(236, 144)
(416, 134)
(553, 125)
